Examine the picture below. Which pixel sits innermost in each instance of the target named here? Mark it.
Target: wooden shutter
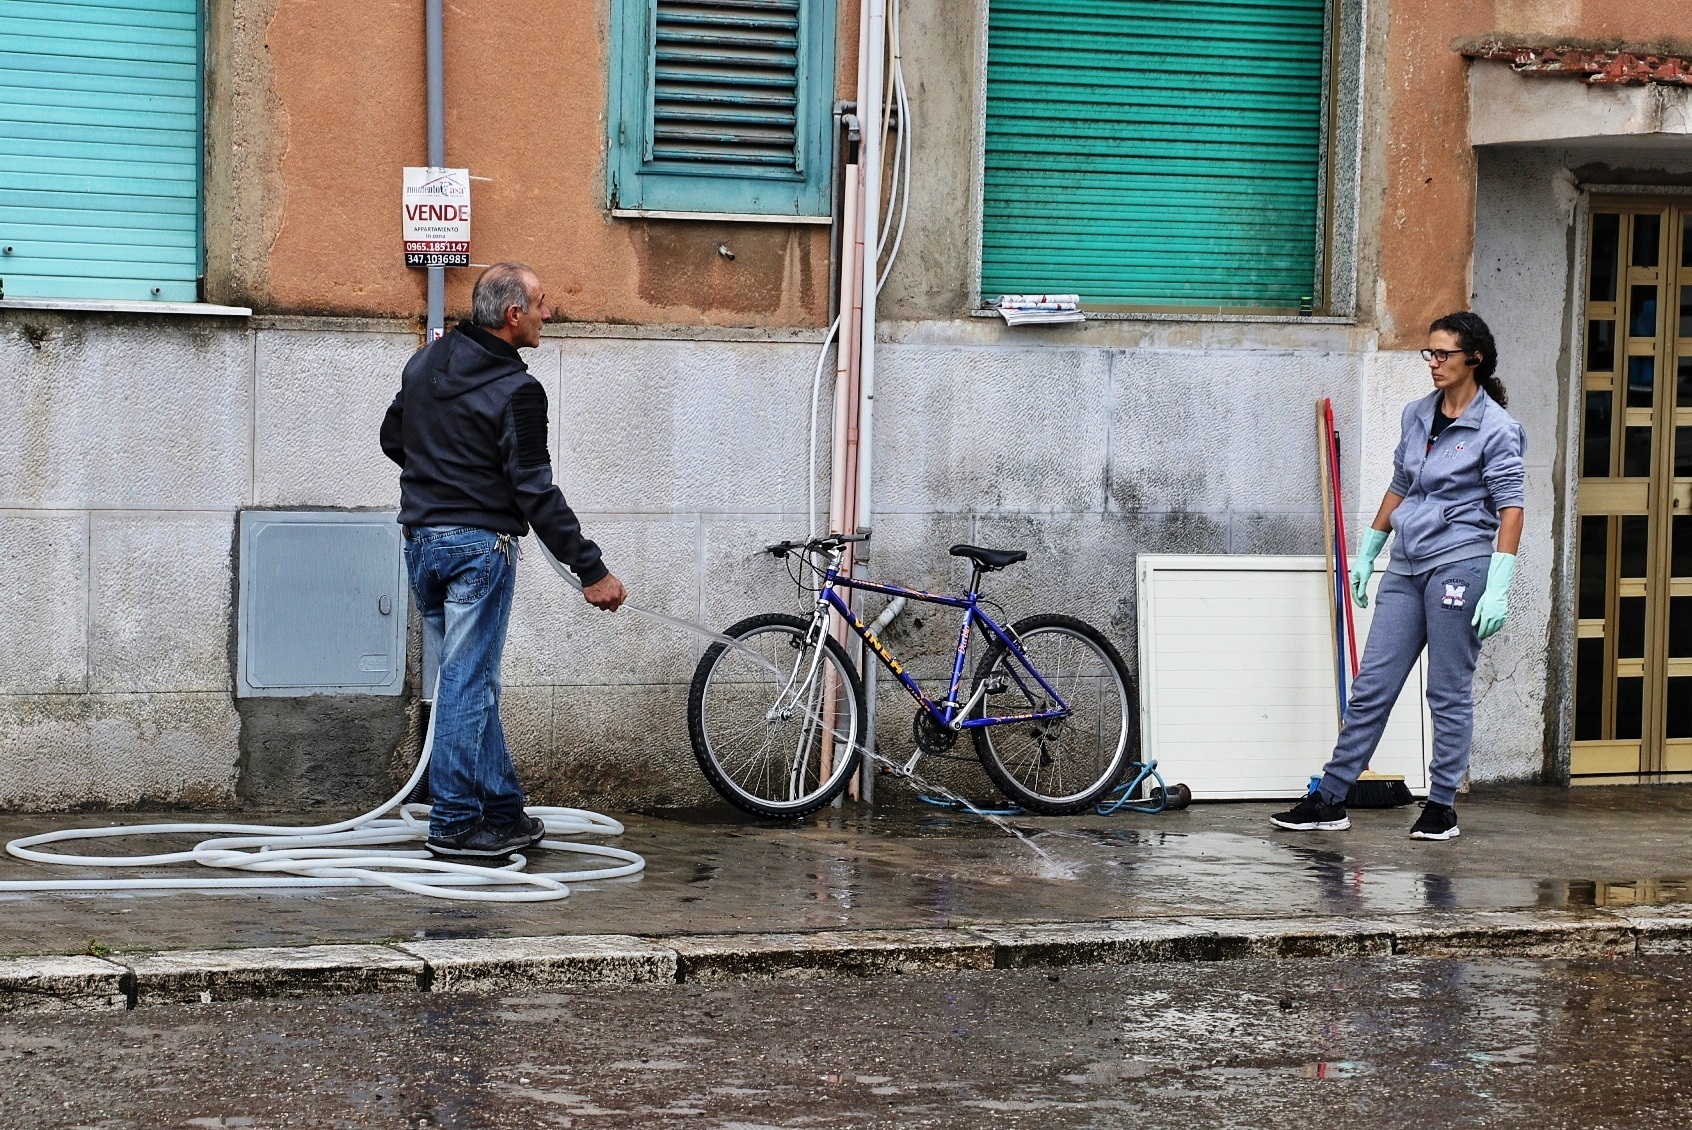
(725, 84)
(1155, 153)
(728, 111)
(100, 149)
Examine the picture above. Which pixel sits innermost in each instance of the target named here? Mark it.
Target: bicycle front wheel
(776, 721)
(1063, 765)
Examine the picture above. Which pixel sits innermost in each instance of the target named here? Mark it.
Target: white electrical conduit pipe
(362, 851)
(816, 407)
(861, 512)
(902, 157)
(901, 174)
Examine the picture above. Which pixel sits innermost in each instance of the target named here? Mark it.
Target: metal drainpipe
(434, 69)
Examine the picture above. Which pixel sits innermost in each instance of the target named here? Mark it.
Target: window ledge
(1169, 316)
(717, 217)
(102, 306)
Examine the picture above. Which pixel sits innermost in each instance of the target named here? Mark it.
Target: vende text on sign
(436, 222)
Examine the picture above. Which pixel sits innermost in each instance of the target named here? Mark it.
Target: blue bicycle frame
(948, 713)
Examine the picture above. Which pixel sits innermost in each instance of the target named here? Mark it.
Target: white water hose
(367, 850)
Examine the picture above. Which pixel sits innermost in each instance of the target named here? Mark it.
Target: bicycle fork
(797, 688)
(801, 694)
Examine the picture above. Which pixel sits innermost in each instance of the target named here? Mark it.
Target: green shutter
(1154, 152)
(100, 149)
(722, 106)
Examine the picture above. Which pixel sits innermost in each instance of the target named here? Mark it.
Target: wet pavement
(908, 866)
(1389, 1042)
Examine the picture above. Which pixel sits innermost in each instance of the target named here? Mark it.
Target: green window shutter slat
(84, 17)
(1154, 152)
(125, 154)
(100, 150)
(96, 34)
(95, 236)
(33, 103)
(722, 106)
(73, 181)
(77, 204)
(85, 68)
(184, 88)
(86, 134)
(66, 168)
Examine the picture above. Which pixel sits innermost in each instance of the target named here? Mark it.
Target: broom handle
(1326, 468)
(1339, 534)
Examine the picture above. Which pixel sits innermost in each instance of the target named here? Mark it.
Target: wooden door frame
(1565, 592)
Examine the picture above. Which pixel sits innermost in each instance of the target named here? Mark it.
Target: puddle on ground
(1611, 893)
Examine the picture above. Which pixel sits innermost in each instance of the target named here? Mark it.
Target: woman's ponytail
(1473, 336)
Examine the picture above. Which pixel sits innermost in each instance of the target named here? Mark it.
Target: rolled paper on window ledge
(1039, 309)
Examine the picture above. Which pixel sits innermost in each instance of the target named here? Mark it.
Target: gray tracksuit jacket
(1452, 492)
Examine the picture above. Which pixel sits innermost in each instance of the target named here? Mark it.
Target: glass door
(1633, 648)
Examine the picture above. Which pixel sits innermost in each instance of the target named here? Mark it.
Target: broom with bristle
(1371, 789)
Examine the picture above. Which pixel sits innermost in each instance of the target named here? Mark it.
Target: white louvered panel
(725, 82)
(1237, 678)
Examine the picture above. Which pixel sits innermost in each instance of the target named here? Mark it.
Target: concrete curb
(503, 964)
(119, 981)
(293, 971)
(862, 953)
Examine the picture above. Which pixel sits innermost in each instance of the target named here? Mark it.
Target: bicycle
(776, 711)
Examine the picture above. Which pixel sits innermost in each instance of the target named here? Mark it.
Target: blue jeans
(463, 578)
(1431, 610)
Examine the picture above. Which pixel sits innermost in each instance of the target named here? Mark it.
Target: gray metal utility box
(323, 604)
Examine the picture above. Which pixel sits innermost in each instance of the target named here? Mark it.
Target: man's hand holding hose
(607, 593)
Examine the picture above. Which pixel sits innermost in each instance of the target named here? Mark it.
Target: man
(469, 431)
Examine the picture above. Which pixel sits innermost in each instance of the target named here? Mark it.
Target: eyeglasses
(1441, 356)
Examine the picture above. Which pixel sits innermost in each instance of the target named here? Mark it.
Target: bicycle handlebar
(828, 541)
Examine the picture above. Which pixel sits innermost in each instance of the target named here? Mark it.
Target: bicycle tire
(710, 676)
(1097, 769)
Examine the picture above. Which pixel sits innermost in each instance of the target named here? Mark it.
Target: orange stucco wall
(1427, 215)
(526, 99)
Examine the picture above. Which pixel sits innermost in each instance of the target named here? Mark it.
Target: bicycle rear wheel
(1066, 765)
(775, 722)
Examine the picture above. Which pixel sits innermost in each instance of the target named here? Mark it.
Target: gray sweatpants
(1431, 610)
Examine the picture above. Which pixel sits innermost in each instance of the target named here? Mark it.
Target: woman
(1456, 489)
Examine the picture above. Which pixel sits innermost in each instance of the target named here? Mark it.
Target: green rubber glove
(1494, 604)
(1363, 565)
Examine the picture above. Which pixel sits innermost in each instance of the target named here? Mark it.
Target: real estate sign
(436, 223)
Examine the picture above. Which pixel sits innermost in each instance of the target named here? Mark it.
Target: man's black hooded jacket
(468, 429)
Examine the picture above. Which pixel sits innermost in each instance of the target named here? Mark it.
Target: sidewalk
(1537, 871)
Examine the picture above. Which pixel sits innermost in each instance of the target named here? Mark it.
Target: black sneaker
(1437, 822)
(531, 827)
(486, 841)
(1313, 814)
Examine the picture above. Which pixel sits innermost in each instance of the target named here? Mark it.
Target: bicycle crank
(931, 737)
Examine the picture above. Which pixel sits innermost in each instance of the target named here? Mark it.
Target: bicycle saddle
(989, 559)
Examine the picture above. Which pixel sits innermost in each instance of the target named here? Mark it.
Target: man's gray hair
(501, 287)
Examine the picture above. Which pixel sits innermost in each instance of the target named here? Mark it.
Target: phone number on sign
(437, 259)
